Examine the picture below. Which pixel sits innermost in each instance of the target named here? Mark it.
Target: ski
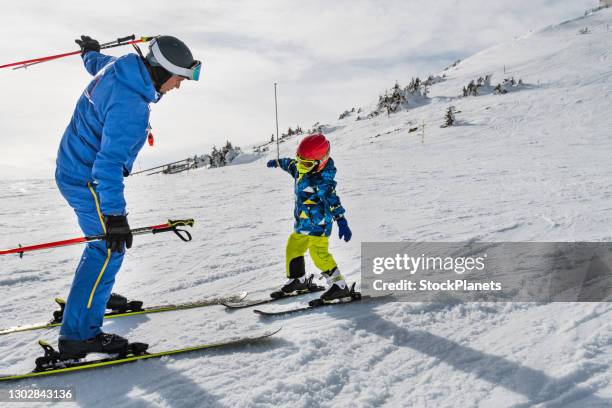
(117, 304)
(312, 287)
(145, 310)
(316, 303)
(51, 365)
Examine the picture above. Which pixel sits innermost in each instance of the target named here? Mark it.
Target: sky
(326, 56)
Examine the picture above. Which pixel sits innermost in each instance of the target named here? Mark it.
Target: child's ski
(316, 303)
(146, 310)
(50, 365)
(312, 287)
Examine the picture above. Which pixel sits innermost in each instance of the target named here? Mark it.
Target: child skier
(316, 207)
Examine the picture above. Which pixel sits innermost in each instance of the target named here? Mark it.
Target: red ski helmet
(312, 152)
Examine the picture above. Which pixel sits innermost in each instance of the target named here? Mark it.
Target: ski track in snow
(532, 165)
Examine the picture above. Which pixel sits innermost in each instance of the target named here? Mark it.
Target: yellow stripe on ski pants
(298, 244)
(108, 255)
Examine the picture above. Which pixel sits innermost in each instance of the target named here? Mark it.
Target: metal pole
(276, 110)
(423, 134)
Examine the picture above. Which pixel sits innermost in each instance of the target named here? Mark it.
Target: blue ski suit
(317, 205)
(108, 128)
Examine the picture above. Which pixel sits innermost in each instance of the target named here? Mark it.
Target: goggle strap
(169, 66)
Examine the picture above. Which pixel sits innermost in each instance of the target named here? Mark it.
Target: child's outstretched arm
(286, 164)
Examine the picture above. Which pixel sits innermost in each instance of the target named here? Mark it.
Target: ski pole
(111, 44)
(131, 39)
(171, 225)
(277, 141)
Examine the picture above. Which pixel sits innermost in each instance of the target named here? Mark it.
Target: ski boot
(53, 359)
(337, 294)
(296, 286)
(116, 303)
(119, 304)
(338, 290)
(102, 343)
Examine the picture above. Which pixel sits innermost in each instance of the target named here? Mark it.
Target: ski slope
(531, 165)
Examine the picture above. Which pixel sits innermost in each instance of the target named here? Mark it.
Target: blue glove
(272, 163)
(344, 232)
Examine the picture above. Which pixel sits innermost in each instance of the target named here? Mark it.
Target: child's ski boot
(338, 290)
(296, 286)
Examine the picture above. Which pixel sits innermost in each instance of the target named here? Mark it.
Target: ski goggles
(192, 73)
(195, 71)
(306, 165)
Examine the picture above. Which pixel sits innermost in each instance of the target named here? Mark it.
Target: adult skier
(108, 128)
(317, 206)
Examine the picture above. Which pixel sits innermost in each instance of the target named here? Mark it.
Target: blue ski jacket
(317, 205)
(109, 126)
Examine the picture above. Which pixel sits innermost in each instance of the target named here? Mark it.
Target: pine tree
(449, 117)
(214, 157)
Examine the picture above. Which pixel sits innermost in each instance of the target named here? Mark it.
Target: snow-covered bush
(232, 153)
(432, 80)
(316, 128)
(201, 161)
(482, 86)
(283, 136)
(224, 156)
(292, 132)
(508, 85)
(453, 65)
(346, 114)
(398, 98)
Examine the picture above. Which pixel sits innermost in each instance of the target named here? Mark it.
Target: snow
(244, 158)
(531, 165)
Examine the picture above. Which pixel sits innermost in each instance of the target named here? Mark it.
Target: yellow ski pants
(318, 247)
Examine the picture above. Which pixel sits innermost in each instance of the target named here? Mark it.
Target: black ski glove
(118, 233)
(88, 44)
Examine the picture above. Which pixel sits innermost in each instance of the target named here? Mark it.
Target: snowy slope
(532, 165)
